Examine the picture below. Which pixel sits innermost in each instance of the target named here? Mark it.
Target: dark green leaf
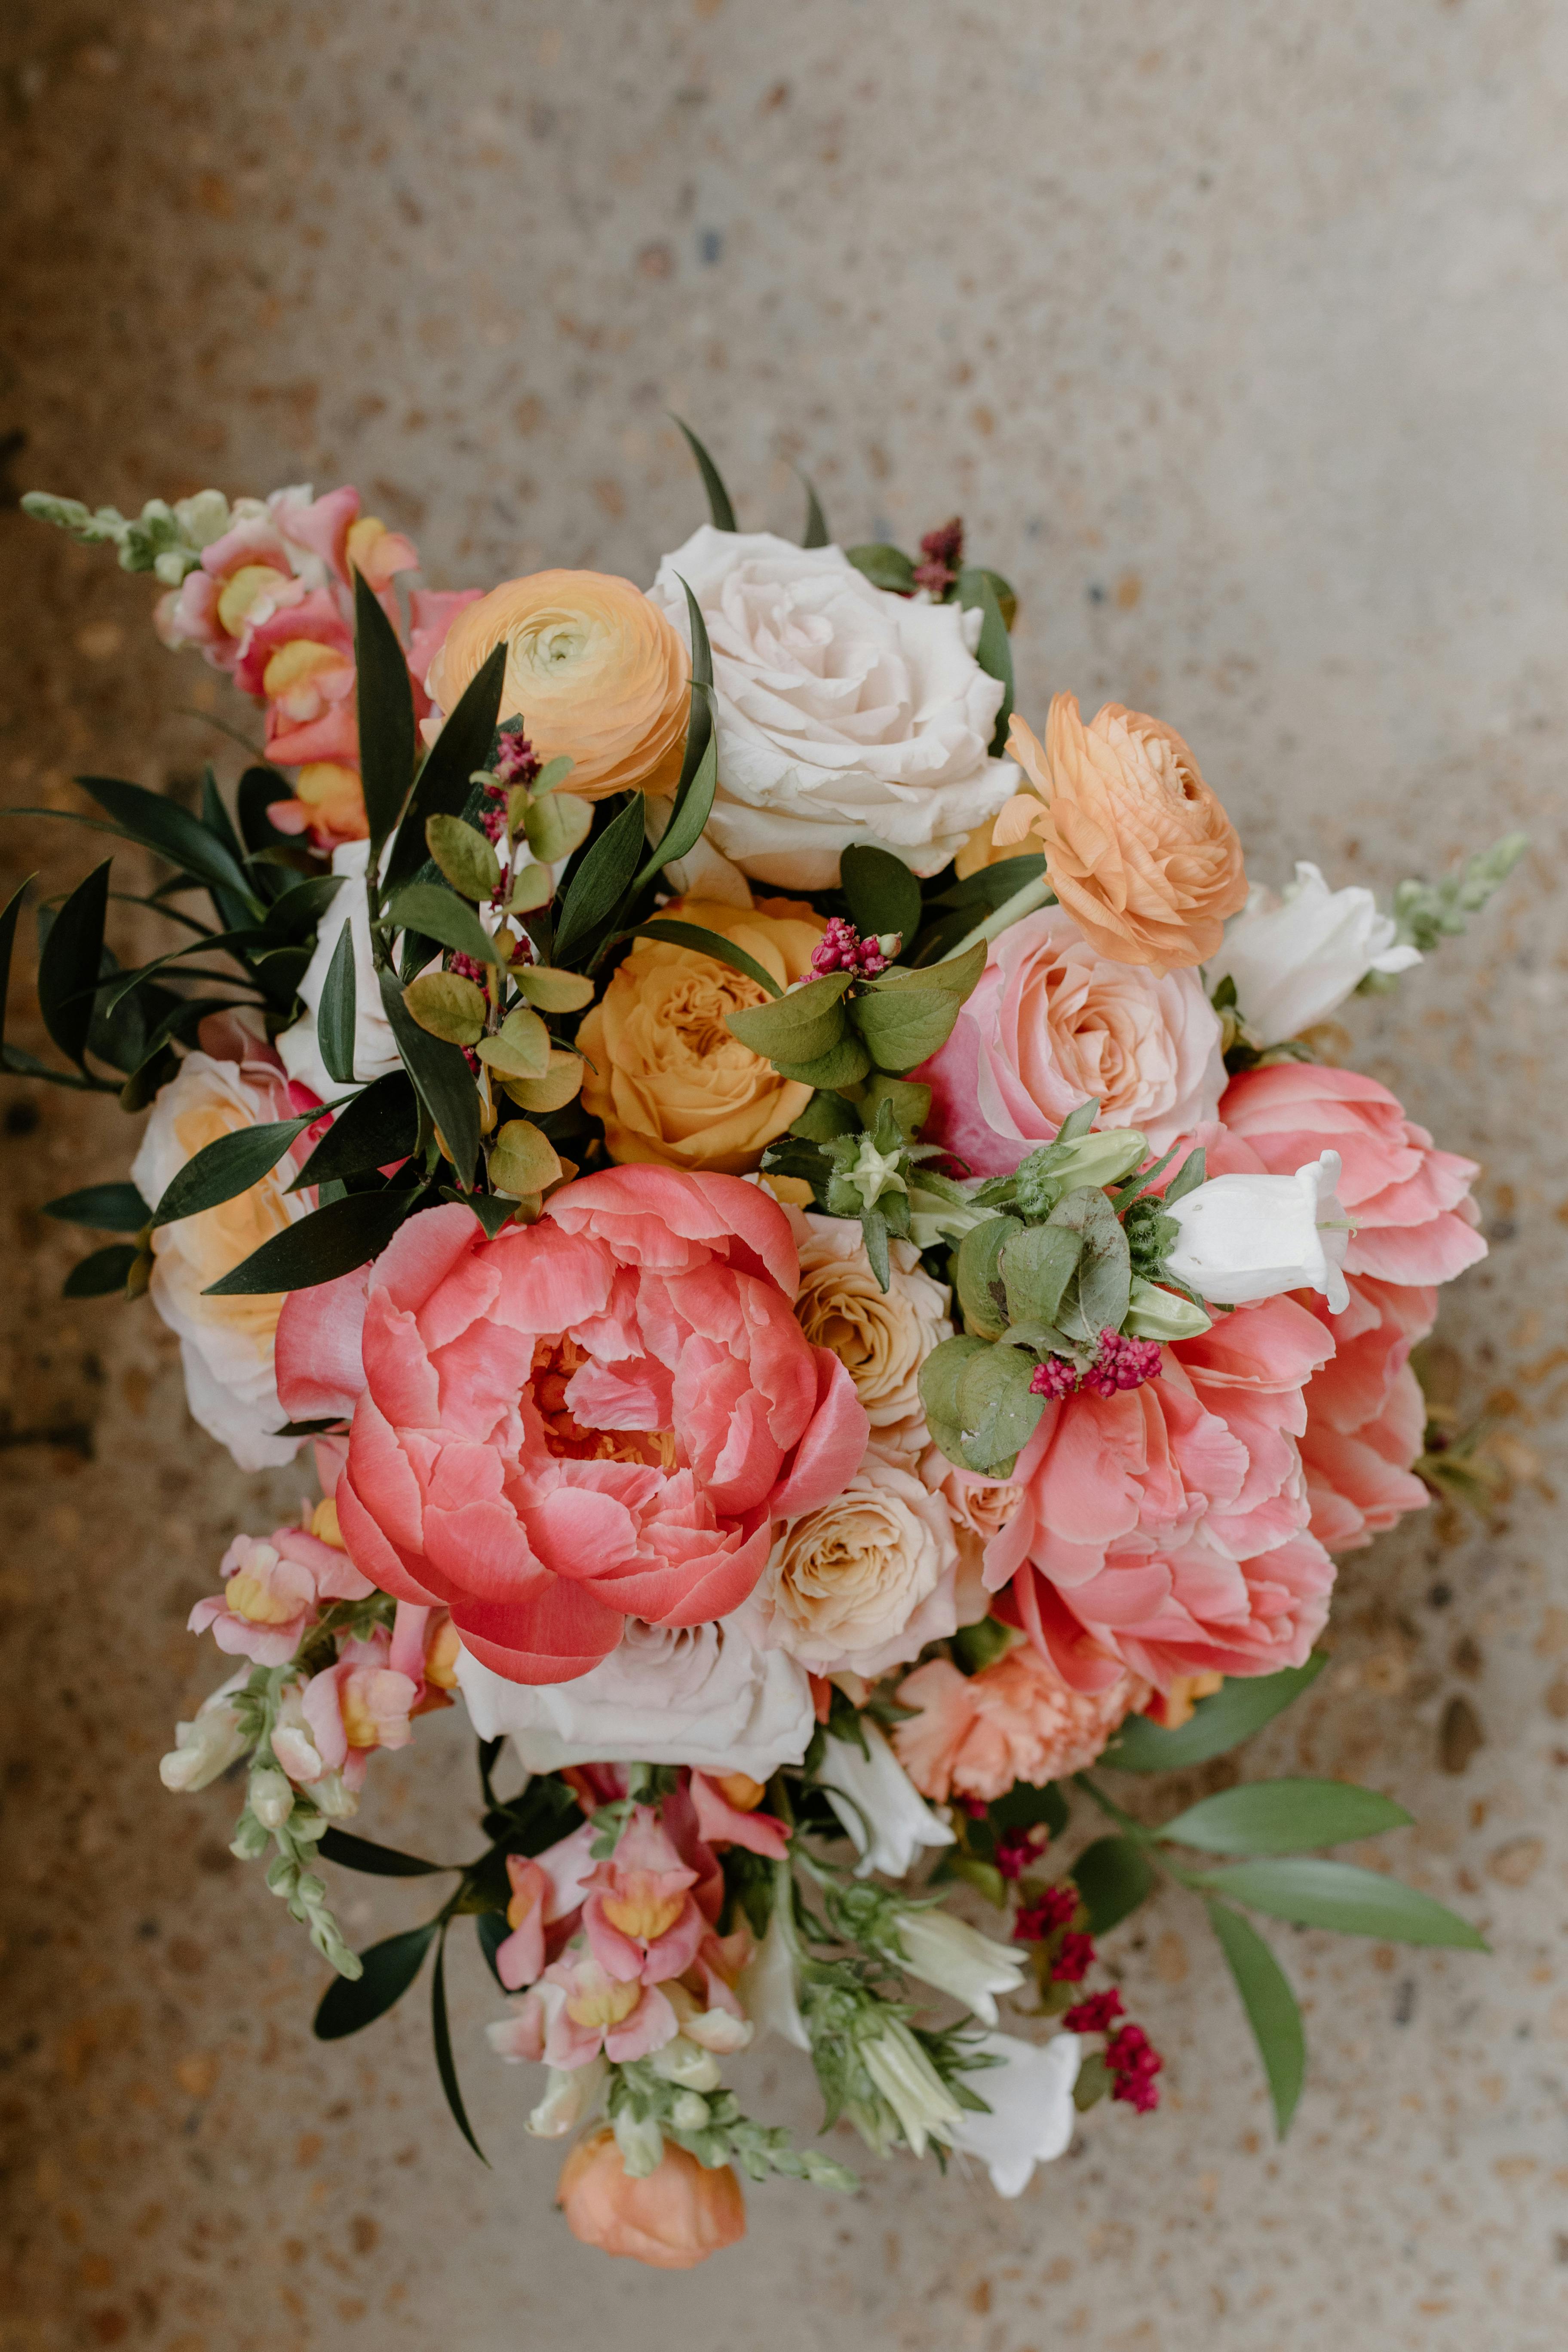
(442, 2033)
(600, 881)
(977, 1274)
(172, 833)
(125, 984)
(350, 2003)
(351, 1852)
(294, 914)
(690, 815)
(493, 1931)
(462, 747)
(1188, 1177)
(335, 1014)
(816, 532)
(1023, 1805)
(106, 1208)
(1094, 2080)
(718, 506)
(1271, 2005)
(1113, 1876)
(883, 894)
(443, 1078)
(216, 817)
(708, 943)
(105, 1270)
(843, 1065)
(700, 720)
(259, 790)
(69, 964)
(995, 651)
(798, 1027)
(1310, 1893)
(385, 701)
(379, 1127)
(993, 886)
(224, 1169)
(494, 1210)
(884, 566)
(1284, 1817)
(825, 1116)
(439, 914)
(1244, 1706)
(328, 1242)
(8, 942)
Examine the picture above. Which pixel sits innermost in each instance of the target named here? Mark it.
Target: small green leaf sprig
(1424, 913)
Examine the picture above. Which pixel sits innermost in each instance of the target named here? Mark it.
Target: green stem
(1037, 893)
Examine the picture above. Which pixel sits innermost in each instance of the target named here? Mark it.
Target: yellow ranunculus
(671, 1082)
(594, 669)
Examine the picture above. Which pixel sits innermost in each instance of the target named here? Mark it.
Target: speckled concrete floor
(1238, 337)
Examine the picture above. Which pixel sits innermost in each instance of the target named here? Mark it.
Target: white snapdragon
(570, 2095)
(1294, 956)
(206, 1747)
(768, 1980)
(873, 1796)
(1245, 1237)
(1030, 2098)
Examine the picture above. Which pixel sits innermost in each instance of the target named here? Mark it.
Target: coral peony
(593, 669)
(671, 2217)
(588, 1419)
(1054, 1021)
(975, 1735)
(1137, 847)
(672, 1083)
(1410, 1204)
(1366, 1414)
(1164, 1530)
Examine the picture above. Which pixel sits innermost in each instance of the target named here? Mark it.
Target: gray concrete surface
(1238, 335)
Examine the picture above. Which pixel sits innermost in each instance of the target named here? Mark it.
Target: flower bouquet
(832, 1295)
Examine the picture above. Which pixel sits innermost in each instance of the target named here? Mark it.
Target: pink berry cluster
(943, 552)
(842, 948)
(1120, 1364)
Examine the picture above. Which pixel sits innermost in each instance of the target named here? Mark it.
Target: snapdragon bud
(689, 2113)
(271, 1796)
(641, 2144)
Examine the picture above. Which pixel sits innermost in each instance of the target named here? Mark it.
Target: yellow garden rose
(592, 669)
(671, 1082)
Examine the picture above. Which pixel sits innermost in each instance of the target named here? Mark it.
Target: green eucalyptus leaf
(464, 856)
(798, 1027)
(1284, 1817)
(908, 1015)
(939, 1379)
(843, 1065)
(554, 991)
(557, 825)
(825, 1117)
(997, 1411)
(1036, 1269)
(883, 893)
(977, 1275)
(1271, 2008)
(884, 566)
(440, 914)
(448, 1005)
(1154, 1313)
(1097, 1297)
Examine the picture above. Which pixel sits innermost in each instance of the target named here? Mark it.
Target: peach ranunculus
(671, 2217)
(225, 1344)
(881, 1337)
(673, 1085)
(1164, 1531)
(1054, 1021)
(592, 669)
(1137, 847)
(587, 1419)
(975, 1735)
(862, 1582)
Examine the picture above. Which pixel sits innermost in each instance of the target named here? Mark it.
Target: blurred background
(1237, 338)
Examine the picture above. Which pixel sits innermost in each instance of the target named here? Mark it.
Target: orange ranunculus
(671, 1082)
(672, 2218)
(1137, 847)
(592, 669)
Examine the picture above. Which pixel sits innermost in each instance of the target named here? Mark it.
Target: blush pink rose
(1415, 1221)
(595, 1417)
(1164, 1531)
(1015, 1720)
(1053, 1022)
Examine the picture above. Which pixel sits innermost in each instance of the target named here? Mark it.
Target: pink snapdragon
(547, 1892)
(578, 2009)
(273, 1591)
(642, 1922)
(335, 1721)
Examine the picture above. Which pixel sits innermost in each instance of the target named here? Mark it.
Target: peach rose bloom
(1137, 847)
(671, 1082)
(976, 1734)
(863, 1581)
(672, 2219)
(592, 669)
(881, 1337)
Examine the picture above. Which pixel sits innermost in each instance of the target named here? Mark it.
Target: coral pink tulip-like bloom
(672, 2218)
(641, 1917)
(593, 1417)
(272, 1592)
(1015, 1720)
(1164, 1530)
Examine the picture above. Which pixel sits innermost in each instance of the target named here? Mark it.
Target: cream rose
(880, 1338)
(845, 713)
(225, 1344)
(863, 1583)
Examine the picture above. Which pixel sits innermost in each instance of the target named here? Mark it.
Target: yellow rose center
(604, 2004)
(642, 1908)
(251, 1597)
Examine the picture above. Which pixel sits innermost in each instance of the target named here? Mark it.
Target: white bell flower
(1296, 956)
(879, 1805)
(767, 1986)
(958, 1959)
(925, 2107)
(1030, 2099)
(1245, 1237)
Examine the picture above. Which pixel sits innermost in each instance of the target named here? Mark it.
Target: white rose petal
(845, 713)
(1032, 2113)
(1293, 959)
(707, 1695)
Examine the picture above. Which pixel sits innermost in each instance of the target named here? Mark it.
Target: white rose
(225, 1344)
(881, 1337)
(845, 713)
(375, 1052)
(866, 1581)
(1245, 1237)
(1293, 959)
(707, 1696)
(886, 1818)
(1032, 2114)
